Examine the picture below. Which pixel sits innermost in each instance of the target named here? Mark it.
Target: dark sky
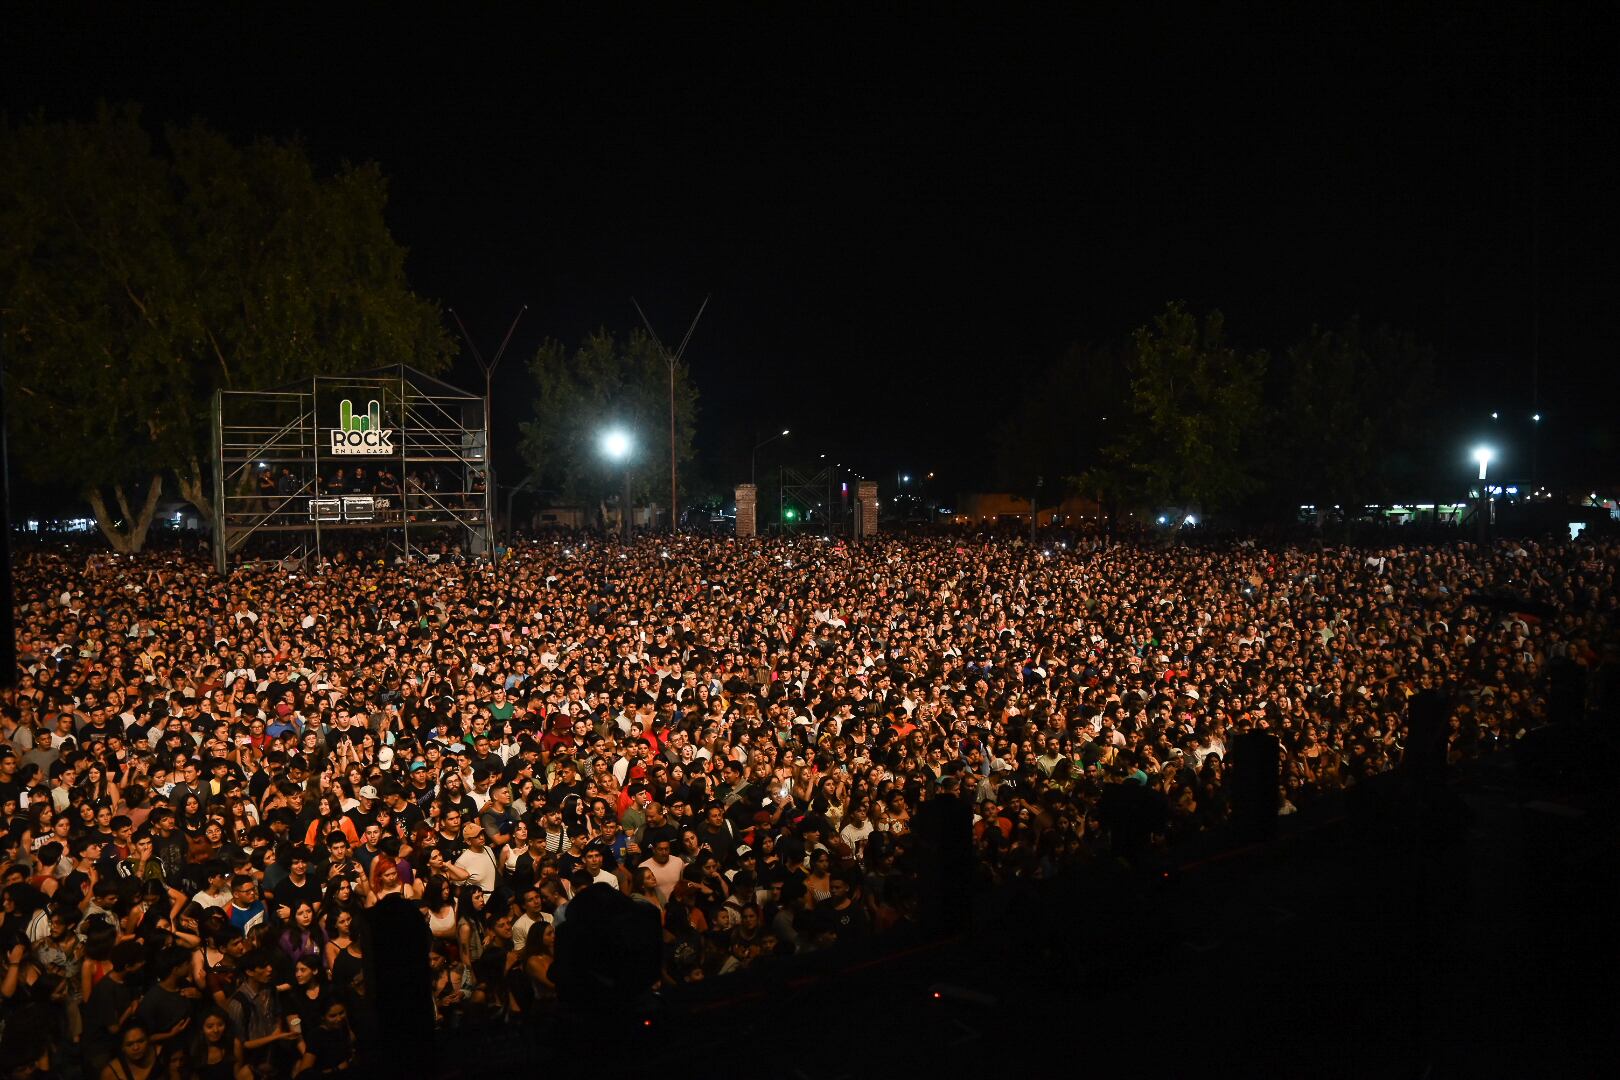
(902, 222)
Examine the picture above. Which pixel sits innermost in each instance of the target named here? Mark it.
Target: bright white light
(1493, 416)
(1512, 491)
(1190, 520)
(1163, 520)
(1536, 417)
(905, 479)
(784, 431)
(616, 445)
(1483, 455)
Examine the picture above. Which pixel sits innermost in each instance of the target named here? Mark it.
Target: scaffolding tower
(806, 501)
(418, 445)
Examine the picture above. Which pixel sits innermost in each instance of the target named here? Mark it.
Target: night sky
(902, 223)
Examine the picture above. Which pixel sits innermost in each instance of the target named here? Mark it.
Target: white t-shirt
(206, 899)
(480, 867)
(521, 928)
(666, 876)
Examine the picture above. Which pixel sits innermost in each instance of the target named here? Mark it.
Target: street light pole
(671, 361)
(753, 460)
(753, 456)
(616, 446)
(1535, 452)
(1483, 455)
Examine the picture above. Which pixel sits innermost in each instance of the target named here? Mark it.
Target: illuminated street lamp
(753, 455)
(616, 447)
(1483, 455)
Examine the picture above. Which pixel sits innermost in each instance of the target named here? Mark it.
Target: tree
(136, 279)
(1355, 417)
(1325, 437)
(1064, 420)
(606, 382)
(1196, 411)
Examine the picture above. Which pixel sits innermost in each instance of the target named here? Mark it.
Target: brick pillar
(866, 508)
(747, 497)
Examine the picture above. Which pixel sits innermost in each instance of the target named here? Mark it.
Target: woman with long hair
(136, 1057)
(344, 959)
(100, 935)
(220, 841)
(532, 967)
(328, 816)
(385, 880)
(470, 911)
(216, 1054)
(646, 888)
(341, 893)
(818, 882)
(514, 848)
(309, 992)
(302, 937)
(439, 905)
(98, 785)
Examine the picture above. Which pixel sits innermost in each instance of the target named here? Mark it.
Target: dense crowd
(209, 783)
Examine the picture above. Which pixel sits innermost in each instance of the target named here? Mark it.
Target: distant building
(991, 507)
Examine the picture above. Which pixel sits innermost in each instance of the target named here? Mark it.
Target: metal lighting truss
(434, 436)
(809, 494)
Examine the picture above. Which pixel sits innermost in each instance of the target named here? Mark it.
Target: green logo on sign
(362, 434)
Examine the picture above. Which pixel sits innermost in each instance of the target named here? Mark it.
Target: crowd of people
(210, 783)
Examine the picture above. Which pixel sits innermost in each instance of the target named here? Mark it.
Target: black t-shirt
(292, 895)
(93, 731)
(102, 1014)
(561, 791)
(162, 1009)
(361, 818)
(720, 841)
(409, 815)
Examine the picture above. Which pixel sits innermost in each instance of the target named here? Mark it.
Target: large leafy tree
(606, 382)
(136, 277)
(1195, 419)
(1064, 420)
(1355, 418)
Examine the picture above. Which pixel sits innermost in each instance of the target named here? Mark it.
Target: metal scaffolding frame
(439, 437)
(811, 496)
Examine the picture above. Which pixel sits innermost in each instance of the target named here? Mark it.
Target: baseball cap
(368, 792)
